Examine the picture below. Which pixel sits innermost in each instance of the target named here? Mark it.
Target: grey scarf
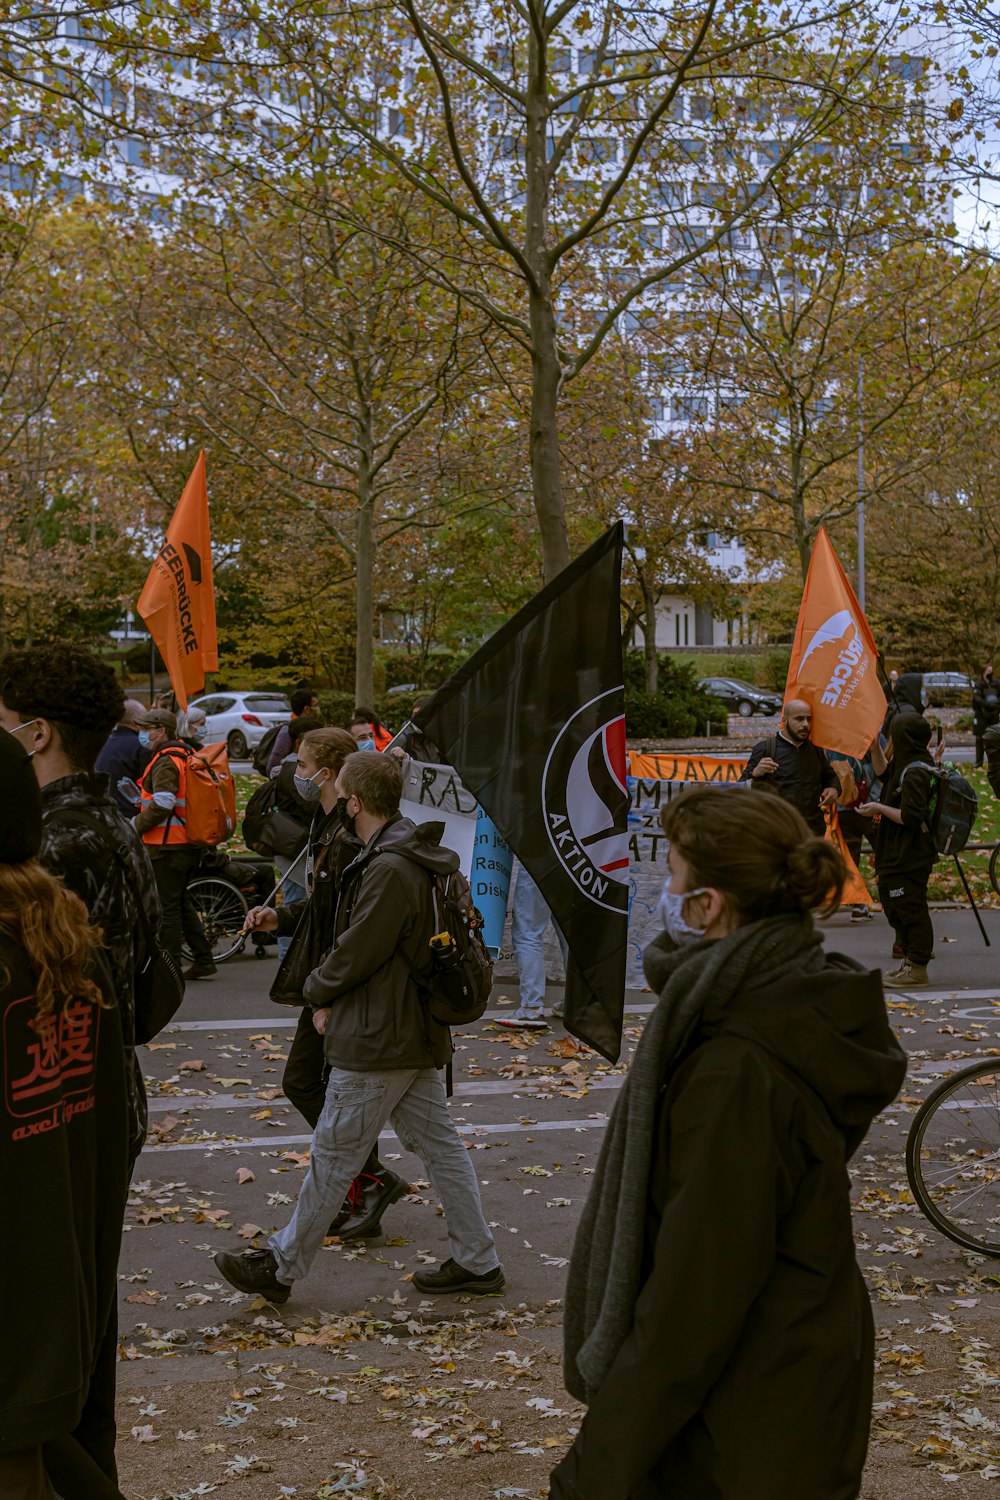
(604, 1274)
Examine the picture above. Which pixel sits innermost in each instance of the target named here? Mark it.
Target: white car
(241, 719)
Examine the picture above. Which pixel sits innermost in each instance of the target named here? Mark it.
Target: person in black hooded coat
(64, 1143)
(908, 698)
(904, 848)
(717, 1323)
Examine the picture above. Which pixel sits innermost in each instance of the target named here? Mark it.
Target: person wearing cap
(160, 825)
(64, 1144)
(122, 756)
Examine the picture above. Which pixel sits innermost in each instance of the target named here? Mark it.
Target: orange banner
(669, 767)
(834, 658)
(178, 599)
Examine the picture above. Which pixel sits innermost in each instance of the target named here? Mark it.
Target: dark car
(742, 697)
(947, 689)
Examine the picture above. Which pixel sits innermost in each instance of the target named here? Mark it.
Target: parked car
(948, 689)
(241, 719)
(741, 697)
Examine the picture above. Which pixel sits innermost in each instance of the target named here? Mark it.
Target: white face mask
(671, 913)
(26, 725)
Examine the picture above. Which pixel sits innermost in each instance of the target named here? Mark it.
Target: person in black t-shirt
(793, 767)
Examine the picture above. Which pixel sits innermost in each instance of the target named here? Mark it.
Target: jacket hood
(829, 1028)
(420, 842)
(908, 690)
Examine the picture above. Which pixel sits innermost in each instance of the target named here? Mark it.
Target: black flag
(534, 723)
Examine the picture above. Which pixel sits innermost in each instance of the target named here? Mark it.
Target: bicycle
(953, 1157)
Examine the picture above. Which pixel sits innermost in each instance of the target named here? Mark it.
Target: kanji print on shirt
(49, 1063)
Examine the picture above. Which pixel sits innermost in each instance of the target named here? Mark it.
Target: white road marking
(272, 1141)
(276, 1023)
(479, 1089)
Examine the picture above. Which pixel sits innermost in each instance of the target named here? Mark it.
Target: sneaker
(376, 1195)
(200, 971)
(524, 1020)
(894, 975)
(253, 1271)
(909, 977)
(451, 1277)
(862, 914)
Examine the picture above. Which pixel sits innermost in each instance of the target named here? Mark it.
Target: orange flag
(855, 891)
(834, 658)
(178, 600)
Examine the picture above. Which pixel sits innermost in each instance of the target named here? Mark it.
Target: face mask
(26, 725)
(671, 913)
(366, 744)
(144, 738)
(347, 822)
(308, 788)
(198, 735)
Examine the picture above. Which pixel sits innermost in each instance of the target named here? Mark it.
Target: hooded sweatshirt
(63, 1175)
(383, 924)
(903, 848)
(748, 1371)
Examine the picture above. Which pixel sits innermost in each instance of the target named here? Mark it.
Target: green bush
(679, 710)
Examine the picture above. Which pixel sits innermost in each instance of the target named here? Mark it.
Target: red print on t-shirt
(48, 1059)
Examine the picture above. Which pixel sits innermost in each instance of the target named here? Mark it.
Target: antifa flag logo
(585, 800)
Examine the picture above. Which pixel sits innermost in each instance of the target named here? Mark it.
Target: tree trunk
(546, 372)
(364, 648)
(649, 602)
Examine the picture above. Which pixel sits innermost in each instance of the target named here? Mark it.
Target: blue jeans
(531, 916)
(290, 892)
(357, 1106)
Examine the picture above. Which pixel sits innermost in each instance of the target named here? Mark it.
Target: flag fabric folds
(178, 598)
(534, 723)
(834, 665)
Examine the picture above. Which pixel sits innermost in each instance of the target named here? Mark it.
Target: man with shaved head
(792, 766)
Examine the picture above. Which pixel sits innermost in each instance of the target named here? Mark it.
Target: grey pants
(357, 1106)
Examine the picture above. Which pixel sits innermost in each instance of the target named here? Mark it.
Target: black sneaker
(200, 971)
(377, 1194)
(253, 1271)
(451, 1277)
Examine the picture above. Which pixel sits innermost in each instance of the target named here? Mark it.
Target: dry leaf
(145, 1435)
(194, 1066)
(244, 1174)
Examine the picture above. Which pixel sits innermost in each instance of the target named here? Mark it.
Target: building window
(689, 408)
(671, 194)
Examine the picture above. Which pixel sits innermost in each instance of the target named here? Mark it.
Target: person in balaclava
(904, 848)
(64, 1141)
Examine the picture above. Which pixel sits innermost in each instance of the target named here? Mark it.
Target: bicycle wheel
(994, 857)
(953, 1157)
(222, 911)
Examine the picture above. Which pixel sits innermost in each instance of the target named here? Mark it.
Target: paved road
(532, 1109)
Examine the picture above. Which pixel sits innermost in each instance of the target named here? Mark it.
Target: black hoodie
(748, 1372)
(63, 1172)
(906, 847)
(384, 922)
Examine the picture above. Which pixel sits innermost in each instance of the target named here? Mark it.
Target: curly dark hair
(72, 689)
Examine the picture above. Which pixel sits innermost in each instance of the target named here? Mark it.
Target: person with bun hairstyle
(717, 1324)
(64, 1146)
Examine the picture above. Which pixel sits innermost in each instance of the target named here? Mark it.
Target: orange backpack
(211, 796)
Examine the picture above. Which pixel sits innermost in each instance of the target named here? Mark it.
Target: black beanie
(20, 804)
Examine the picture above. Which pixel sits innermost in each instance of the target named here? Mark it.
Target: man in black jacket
(123, 756)
(793, 767)
(384, 1048)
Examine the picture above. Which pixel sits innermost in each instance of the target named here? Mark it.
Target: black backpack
(267, 830)
(954, 805)
(457, 980)
(262, 752)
